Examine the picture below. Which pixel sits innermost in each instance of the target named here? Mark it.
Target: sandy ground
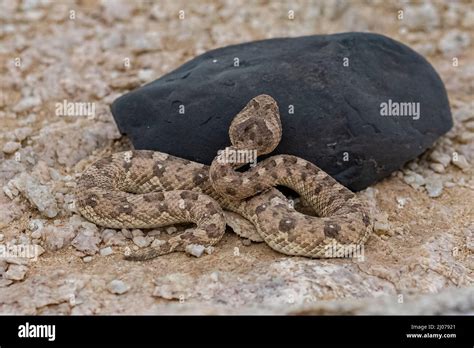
(424, 240)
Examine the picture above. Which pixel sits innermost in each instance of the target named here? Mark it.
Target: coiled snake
(148, 189)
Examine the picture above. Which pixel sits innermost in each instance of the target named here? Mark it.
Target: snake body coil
(147, 189)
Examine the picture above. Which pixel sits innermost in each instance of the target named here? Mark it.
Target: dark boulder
(348, 103)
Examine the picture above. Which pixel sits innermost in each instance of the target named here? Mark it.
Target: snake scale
(149, 189)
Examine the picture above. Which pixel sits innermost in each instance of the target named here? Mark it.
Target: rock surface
(329, 89)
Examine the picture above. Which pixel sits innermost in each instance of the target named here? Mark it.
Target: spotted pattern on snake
(149, 189)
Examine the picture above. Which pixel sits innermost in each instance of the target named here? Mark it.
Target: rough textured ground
(419, 261)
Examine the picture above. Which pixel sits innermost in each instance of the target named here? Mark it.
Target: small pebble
(117, 287)
(125, 82)
(111, 237)
(16, 272)
(381, 227)
(157, 243)
(87, 259)
(401, 201)
(439, 157)
(413, 179)
(154, 233)
(464, 114)
(137, 233)
(437, 167)
(466, 137)
(141, 241)
(2, 237)
(412, 165)
(36, 225)
(126, 233)
(10, 192)
(38, 194)
(434, 188)
(195, 249)
(246, 242)
(171, 229)
(470, 125)
(214, 276)
(106, 251)
(16, 260)
(11, 147)
(399, 231)
(461, 162)
(23, 133)
(108, 234)
(145, 75)
(37, 234)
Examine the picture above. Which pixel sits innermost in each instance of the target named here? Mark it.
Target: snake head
(257, 126)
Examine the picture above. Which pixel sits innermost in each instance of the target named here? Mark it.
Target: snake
(145, 189)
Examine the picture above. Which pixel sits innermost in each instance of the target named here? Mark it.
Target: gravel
(454, 42)
(469, 234)
(27, 103)
(422, 17)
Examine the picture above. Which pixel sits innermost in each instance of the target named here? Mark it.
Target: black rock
(336, 86)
